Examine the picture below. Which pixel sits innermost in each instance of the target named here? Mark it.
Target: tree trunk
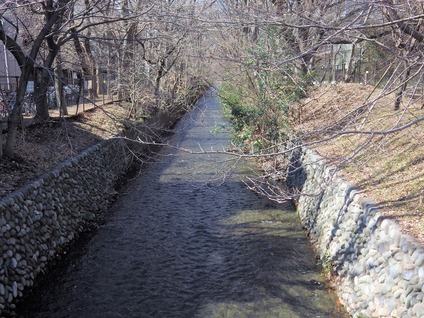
(159, 75)
(333, 66)
(402, 89)
(91, 66)
(40, 97)
(349, 65)
(89, 70)
(15, 118)
(58, 84)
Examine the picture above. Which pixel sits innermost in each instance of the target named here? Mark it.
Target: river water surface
(187, 239)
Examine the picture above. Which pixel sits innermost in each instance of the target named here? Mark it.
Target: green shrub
(257, 100)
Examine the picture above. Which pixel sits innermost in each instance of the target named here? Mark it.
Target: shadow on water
(183, 243)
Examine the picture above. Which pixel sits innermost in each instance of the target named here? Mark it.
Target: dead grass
(40, 147)
(388, 168)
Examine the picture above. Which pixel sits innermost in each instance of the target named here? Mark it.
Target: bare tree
(49, 25)
(308, 37)
(53, 12)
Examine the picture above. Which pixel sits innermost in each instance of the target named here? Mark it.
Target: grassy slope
(389, 169)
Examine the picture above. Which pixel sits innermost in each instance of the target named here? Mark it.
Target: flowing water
(187, 239)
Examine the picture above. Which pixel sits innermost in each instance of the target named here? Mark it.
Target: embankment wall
(379, 270)
(39, 219)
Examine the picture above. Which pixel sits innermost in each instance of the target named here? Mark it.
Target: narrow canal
(187, 239)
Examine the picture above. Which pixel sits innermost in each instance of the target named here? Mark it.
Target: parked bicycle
(3, 109)
(29, 107)
(7, 102)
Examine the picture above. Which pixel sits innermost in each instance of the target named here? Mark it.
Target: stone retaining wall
(379, 270)
(39, 219)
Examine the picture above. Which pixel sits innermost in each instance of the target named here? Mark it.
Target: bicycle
(3, 109)
(29, 107)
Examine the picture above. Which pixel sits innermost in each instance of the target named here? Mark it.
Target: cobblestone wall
(39, 219)
(380, 270)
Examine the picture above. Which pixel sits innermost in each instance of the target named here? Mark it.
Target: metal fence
(73, 94)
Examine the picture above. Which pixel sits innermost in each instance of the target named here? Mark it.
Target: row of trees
(150, 49)
(144, 49)
(285, 46)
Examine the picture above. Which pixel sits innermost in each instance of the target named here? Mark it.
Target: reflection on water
(187, 239)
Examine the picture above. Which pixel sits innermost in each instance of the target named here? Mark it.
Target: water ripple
(181, 243)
